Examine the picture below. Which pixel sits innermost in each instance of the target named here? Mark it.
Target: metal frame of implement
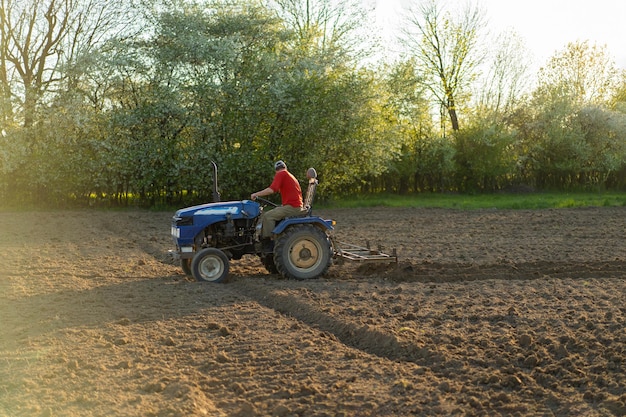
(363, 254)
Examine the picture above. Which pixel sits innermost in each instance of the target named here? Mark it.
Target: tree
(447, 50)
(566, 135)
(587, 74)
(484, 160)
(328, 113)
(413, 124)
(193, 92)
(618, 100)
(329, 30)
(41, 39)
(505, 79)
(604, 132)
(43, 46)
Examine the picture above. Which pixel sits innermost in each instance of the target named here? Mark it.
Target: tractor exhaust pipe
(216, 193)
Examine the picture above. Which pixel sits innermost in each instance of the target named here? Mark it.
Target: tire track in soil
(498, 372)
(362, 337)
(387, 345)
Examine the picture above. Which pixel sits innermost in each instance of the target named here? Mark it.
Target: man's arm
(262, 193)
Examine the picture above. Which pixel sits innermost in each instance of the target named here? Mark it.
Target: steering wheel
(266, 202)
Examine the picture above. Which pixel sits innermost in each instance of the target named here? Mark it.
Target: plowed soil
(487, 313)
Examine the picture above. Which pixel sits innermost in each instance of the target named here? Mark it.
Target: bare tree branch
(447, 50)
(41, 39)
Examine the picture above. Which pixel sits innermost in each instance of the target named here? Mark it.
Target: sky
(546, 26)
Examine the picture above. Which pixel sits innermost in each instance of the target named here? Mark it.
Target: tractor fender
(290, 221)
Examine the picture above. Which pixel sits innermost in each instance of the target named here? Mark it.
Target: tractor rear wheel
(210, 265)
(302, 252)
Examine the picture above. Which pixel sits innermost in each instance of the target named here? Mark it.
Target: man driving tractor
(291, 198)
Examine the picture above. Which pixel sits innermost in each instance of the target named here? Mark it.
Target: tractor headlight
(183, 221)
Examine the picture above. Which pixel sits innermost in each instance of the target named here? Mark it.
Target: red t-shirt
(288, 187)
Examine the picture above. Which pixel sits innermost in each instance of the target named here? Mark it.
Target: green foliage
(334, 121)
(584, 72)
(138, 119)
(425, 160)
(562, 145)
(604, 133)
(484, 158)
(426, 165)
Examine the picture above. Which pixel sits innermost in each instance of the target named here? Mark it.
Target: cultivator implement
(363, 254)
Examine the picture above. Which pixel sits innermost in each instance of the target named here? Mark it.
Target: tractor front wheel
(210, 265)
(185, 264)
(302, 252)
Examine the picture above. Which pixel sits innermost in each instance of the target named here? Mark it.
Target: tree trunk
(453, 116)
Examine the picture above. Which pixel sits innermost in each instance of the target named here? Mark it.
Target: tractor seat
(307, 204)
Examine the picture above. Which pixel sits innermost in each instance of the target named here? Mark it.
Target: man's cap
(279, 165)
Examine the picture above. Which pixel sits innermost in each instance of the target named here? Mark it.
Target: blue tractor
(208, 236)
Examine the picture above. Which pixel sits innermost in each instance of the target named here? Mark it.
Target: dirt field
(488, 313)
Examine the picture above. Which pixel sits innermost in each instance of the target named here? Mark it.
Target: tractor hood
(188, 222)
(233, 209)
